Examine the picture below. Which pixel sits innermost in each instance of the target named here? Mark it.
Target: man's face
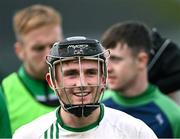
(79, 81)
(122, 68)
(35, 47)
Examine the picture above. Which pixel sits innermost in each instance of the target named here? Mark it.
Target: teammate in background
(78, 76)
(27, 93)
(129, 89)
(5, 129)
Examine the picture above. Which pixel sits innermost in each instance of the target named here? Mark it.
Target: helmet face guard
(63, 57)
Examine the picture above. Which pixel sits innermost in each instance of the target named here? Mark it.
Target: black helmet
(75, 46)
(80, 48)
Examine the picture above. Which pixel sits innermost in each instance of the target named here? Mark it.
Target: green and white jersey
(112, 124)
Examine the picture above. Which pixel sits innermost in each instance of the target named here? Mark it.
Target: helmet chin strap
(81, 110)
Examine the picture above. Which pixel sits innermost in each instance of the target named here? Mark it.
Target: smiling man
(78, 76)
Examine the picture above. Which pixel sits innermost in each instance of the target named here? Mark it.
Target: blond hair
(34, 17)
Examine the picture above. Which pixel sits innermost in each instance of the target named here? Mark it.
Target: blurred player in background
(27, 93)
(129, 89)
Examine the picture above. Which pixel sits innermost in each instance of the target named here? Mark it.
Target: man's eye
(92, 72)
(70, 73)
(115, 59)
(39, 48)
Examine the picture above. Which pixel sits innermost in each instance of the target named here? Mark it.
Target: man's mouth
(81, 94)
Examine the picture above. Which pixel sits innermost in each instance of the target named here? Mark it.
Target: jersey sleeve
(5, 129)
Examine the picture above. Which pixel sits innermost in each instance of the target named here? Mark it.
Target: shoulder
(35, 128)
(168, 106)
(126, 124)
(11, 75)
(121, 117)
(9, 79)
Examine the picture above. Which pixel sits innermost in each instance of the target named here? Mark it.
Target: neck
(78, 122)
(137, 87)
(32, 73)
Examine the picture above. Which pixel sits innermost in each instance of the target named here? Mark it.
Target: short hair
(135, 34)
(33, 17)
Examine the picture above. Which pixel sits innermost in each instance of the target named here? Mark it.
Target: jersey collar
(82, 129)
(143, 98)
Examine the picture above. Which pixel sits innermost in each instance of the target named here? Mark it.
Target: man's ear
(19, 50)
(49, 80)
(143, 60)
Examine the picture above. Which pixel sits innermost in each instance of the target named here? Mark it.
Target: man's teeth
(81, 94)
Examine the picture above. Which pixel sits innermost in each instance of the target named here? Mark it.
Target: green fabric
(51, 132)
(5, 130)
(82, 129)
(22, 106)
(172, 111)
(57, 131)
(141, 99)
(36, 87)
(45, 135)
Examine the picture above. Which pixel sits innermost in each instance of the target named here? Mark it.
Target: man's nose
(109, 67)
(82, 81)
